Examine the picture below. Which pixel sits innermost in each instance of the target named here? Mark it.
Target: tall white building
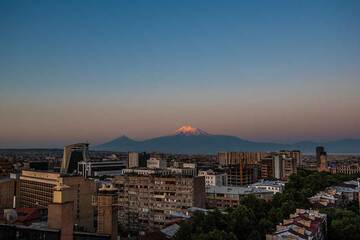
(214, 179)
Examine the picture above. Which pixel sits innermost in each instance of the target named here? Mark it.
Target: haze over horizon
(279, 71)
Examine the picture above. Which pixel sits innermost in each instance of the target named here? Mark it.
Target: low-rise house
(272, 186)
(302, 225)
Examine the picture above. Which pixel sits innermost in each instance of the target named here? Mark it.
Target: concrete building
(7, 192)
(37, 191)
(242, 174)
(61, 212)
(345, 167)
(6, 168)
(100, 168)
(213, 179)
(235, 158)
(148, 202)
(323, 164)
(272, 186)
(302, 225)
(156, 163)
(225, 197)
(319, 150)
(278, 165)
(137, 159)
(107, 211)
(73, 154)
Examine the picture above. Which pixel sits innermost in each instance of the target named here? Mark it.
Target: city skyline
(264, 71)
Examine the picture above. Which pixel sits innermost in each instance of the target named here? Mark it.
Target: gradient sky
(93, 70)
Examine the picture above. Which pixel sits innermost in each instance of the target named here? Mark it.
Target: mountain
(190, 140)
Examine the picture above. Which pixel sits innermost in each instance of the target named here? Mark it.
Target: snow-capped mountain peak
(188, 130)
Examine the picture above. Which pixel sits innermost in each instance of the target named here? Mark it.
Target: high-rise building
(136, 159)
(100, 168)
(156, 163)
(61, 212)
(73, 154)
(234, 158)
(319, 150)
(37, 191)
(7, 192)
(279, 165)
(147, 202)
(242, 174)
(107, 210)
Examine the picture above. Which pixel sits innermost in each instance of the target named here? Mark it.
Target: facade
(225, 197)
(323, 164)
(242, 174)
(100, 168)
(235, 158)
(319, 151)
(107, 211)
(214, 179)
(36, 190)
(73, 154)
(335, 196)
(156, 163)
(345, 167)
(6, 168)
(7, 192)
(295, 154)
(302, 225)
(147, 202)
(136, 159)
(279, 166)
(272, 186)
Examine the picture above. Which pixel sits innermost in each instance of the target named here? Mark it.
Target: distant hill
(189, 140)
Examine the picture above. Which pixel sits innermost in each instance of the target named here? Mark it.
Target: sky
(281, 71)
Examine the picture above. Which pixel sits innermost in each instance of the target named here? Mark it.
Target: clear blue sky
(262, 70)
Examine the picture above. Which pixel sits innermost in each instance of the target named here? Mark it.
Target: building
(288, 167)
(319, 151)
(61, 212)
(242, 174)
(272, 186)
(345, 167)
(235, 158)
(137, 159)
(100, 168)
(7, 192)
(152, 201)
(336, 196)
(36, 190)
(107, 211)
(213, 179)
(226, 197)
(156, 163)
(6, 168)
(323, 164)
(73, 154)
(302, 225)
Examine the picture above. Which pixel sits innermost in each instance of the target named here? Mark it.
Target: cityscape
(179, 120)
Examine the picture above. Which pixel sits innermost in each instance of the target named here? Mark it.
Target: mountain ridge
(197, 141)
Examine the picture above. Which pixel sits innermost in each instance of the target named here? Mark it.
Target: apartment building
(242, 174)
(147, 202)
(235, 158)
(7, 192)
(225, 197)
(212, 178)
(37, 191)
(278, 165)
